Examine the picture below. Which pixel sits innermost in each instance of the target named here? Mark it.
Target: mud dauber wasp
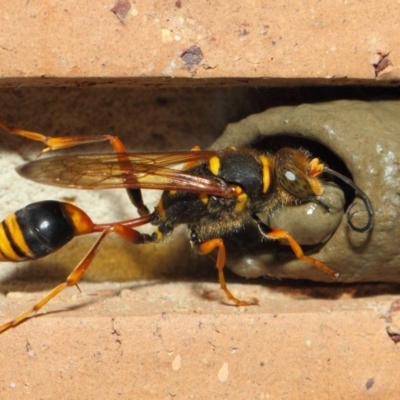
(216, 192)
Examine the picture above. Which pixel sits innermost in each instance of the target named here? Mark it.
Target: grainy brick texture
(160, 340)
(121, 40)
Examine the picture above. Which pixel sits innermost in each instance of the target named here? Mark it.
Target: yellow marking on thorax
(158, 234)
(266, 176)
(172, 192)
(214, 164)
(204, 198)
(242, 200)
(160, 210)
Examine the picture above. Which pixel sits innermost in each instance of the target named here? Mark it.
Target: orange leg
(279, 234)
(217, 243)
(123, 229)
(62, 142)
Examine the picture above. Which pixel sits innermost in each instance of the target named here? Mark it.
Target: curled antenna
(360, 194)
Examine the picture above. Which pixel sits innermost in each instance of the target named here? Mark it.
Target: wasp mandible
(214, 193)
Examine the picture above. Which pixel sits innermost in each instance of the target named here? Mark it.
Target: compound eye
(290, 176)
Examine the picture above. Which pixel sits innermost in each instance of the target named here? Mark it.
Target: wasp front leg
(62, 142)
(206, 248)
(279, 234)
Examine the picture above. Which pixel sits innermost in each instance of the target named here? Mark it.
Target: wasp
(216, 192)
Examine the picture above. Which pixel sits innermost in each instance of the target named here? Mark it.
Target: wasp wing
(127, 170)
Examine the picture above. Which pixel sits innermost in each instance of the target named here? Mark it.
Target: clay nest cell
(357, 139)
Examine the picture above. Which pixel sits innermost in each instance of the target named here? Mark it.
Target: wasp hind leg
(123, 229)
(62, 142)
(206, 248)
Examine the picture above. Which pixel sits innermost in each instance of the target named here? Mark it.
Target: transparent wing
(129, 171)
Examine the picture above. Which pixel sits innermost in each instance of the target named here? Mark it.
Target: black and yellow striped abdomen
(36, 230)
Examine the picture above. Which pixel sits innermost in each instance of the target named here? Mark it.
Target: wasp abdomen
(37, 230)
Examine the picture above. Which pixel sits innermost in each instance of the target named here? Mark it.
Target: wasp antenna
(364, 198)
